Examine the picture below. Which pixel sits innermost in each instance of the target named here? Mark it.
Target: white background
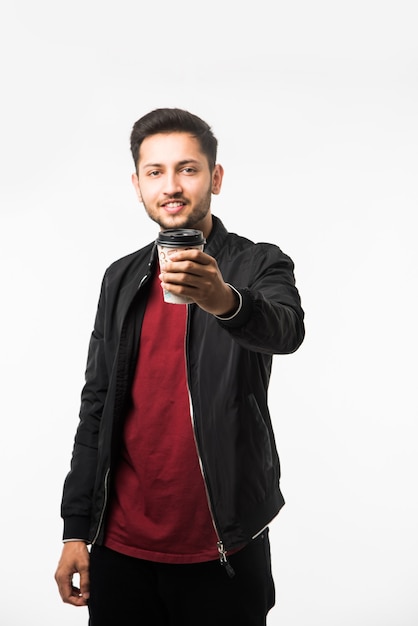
(315, 108)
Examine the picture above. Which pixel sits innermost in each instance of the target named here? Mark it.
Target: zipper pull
(224, 561)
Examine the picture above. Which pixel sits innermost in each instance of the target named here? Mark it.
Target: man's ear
(217, 176)
(135, 183)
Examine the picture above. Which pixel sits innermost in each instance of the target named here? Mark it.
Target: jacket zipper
(219, 544)
(99, 525)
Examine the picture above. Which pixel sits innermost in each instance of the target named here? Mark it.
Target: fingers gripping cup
(168, 241)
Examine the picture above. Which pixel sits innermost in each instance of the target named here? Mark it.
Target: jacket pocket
(260, 436)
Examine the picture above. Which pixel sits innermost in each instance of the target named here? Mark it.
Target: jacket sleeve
(270, 319)
(79, 483)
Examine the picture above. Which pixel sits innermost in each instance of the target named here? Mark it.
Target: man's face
(174, 181)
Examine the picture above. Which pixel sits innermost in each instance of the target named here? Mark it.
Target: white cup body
(164, 253)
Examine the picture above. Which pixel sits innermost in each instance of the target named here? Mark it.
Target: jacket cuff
(76, 526)
(244, 312)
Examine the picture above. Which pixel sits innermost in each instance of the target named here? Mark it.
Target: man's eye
(153, 173)
(189, 170)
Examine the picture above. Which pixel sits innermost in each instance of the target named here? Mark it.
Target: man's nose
(172, 184)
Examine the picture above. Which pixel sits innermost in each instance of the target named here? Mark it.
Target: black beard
(189, 221)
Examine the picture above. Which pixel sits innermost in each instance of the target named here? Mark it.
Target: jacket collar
(217, 237)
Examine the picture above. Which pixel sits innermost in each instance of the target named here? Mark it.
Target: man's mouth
(173, 206)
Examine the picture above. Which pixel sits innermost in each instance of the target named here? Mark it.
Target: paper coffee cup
(168, 241)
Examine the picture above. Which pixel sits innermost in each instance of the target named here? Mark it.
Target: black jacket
(228, 369)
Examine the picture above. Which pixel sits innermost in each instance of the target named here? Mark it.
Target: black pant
(131, 592)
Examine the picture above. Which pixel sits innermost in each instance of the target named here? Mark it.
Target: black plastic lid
(174, 237)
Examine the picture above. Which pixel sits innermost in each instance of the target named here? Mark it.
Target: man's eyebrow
(186, 161)
(182, 162)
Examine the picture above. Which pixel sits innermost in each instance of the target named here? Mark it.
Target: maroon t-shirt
(160, 509)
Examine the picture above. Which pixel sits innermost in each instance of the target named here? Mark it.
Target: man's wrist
(238, 304)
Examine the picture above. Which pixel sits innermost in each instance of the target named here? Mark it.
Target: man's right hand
(75, 559)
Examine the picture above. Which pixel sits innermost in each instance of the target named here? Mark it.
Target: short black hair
(170, 121)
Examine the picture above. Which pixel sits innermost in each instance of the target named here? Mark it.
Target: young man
(175, 475)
